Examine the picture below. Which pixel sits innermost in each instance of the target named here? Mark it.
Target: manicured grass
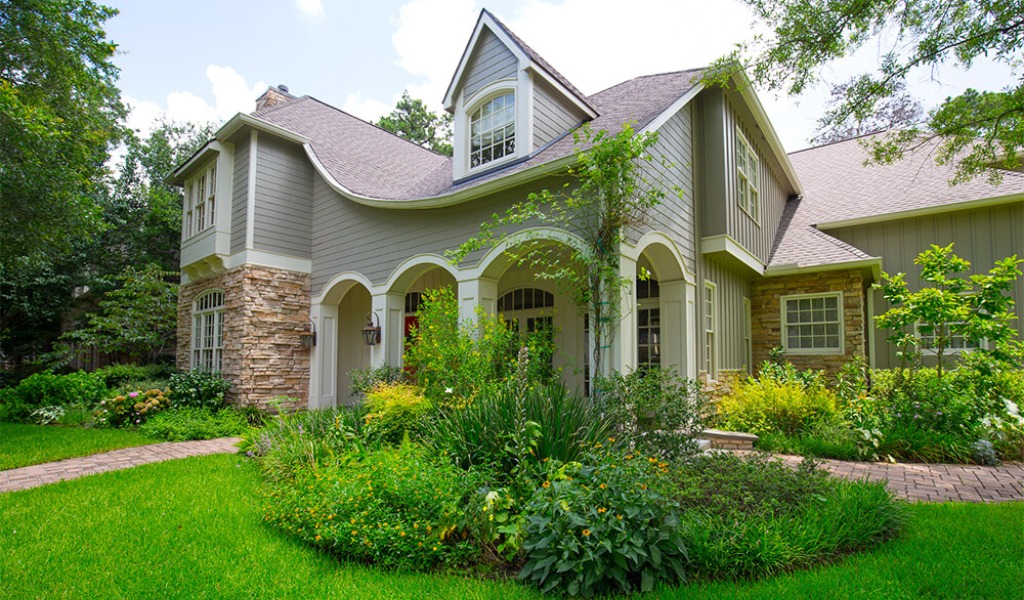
(192, 529)
(24, 445)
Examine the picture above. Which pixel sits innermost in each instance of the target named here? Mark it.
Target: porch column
(692, 337)
(323, 379)
(622, 353)
(389, 308)
(475, 292)
(673, 328)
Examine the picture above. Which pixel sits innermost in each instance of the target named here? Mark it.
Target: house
(302, 223)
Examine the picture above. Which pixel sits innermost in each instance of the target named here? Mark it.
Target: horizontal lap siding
(491, 62)
(675, 216)
(284, 199)
(374, 241)
(982, 236)
(551, 116)
(239, 197)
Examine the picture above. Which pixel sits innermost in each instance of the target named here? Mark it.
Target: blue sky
(206, 60)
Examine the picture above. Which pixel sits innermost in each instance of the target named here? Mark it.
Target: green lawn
(24, 445)
(191, 529)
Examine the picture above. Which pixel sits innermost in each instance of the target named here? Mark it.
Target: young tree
(976, 309)
(59, 112)
(412, 120)
(138, 318)
(978, 129)
(607, 196)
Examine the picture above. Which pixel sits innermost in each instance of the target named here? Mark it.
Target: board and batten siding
(981, 235)
(239, 197)
(375, 241)
(552, 117)
(492, 61)
(284, 199)
(675, 215)
(730, 290)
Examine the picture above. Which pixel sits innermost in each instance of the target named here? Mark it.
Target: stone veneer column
(766, 315)
(265, 312)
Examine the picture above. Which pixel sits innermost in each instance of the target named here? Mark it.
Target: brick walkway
(935, 483)
(36, 475)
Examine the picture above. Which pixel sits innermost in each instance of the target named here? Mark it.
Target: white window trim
(191, 226)
(198, 317)
(753, 208)
(710, 354)
(482, 97)
(948, 350)
(813, 351)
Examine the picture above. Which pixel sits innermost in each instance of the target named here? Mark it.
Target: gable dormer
(507, 101)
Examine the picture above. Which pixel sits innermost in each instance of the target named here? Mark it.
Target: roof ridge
(275, 107)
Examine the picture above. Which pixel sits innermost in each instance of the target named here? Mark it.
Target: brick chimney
(273, 96)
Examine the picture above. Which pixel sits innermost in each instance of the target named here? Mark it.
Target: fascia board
(676, 106)
(746, 91)
(485, 20)
(922, 212)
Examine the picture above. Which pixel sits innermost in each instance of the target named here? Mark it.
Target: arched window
(492, 130)
(208, 331)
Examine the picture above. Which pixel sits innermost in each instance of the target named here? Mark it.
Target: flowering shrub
(131, 409)
(393, 507)
(393, 411)
(779, 400)
(198, 389)
(602, 526)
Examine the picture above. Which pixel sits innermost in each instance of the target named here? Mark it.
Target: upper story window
(492, 130)
(200, 202)
(748, 197)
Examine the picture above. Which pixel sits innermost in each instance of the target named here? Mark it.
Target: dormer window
(200, 202)
(492, 130)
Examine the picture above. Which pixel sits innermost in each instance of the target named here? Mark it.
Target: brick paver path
(935, 483)
(36, 475)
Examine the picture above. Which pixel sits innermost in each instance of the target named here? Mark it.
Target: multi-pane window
(955, 340)
(648, 324)
(813, 324)
(200, 202)
(710, 365)
(208, 331)
(492, 130)
(525, 299)
(746, 176)
(528, 311)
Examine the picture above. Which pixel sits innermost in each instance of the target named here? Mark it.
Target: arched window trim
(477, 104)
(208, 330)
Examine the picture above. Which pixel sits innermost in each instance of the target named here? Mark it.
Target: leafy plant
(180, 424)
(47, 389)
(779, 400)
(656, 409)
(364, 380)
(394, 411)
(120, 374)
(198, 389)
(131, 409)
(303, 441)
(602, 526)
(47, 414)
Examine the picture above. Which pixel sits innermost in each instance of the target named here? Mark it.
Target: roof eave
(873, 263)
(922, 212)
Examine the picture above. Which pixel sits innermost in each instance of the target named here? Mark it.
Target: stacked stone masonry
(766, 313)
(266, 313)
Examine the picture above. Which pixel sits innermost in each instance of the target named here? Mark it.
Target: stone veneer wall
(765, 306)
(265, 312)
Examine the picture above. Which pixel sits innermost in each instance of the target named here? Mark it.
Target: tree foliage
(138, 318)
(606, 197)
(977, 308)
(979, 128)
(412, 120)
(59, 112)
(898, 111)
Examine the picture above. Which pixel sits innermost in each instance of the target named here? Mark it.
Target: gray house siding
(491, 62)
(284, 199)
(730, 327)
(551, 116)
(374, 241)
(982, 236)
(239, 197)
(675, 215)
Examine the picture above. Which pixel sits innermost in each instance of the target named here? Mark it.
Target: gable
(490, 61)
(552, 115)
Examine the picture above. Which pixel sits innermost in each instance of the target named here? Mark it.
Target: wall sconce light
(307, 339)
(371, 333)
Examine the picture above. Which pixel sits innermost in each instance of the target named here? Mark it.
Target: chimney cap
(282, 87)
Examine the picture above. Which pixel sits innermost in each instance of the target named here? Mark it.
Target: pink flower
(133, 395)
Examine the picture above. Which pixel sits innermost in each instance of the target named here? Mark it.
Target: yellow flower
(317, 538)
(602, 510)
(602, 486)
(546, 484)
(586, 532)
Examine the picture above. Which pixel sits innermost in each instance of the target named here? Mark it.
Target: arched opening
(660, 301)
(352, 353)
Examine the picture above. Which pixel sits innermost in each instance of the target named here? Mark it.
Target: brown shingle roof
(838, 187)
(375, 163)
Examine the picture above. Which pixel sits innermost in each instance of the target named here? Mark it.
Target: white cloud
(367, 109)
(231, 94)
(429, 39)
(313, 9)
